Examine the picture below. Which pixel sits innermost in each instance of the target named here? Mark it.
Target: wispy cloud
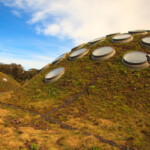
(45, 58)
(16, 13)
(4, 50)
(6, 54)
(82, 20)
(37, 54)
(26, 60)
(27, 63)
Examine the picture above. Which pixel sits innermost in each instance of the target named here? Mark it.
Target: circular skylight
(103, 53)
(135, 60)
(138, 32)
(122, 38)
(4, 79)
(113, 34)
(78, 54)
(54, 75)
(97, 40)
(78, 47)
(146, 42)
(60, 58)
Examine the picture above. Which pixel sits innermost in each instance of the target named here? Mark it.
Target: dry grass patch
(9, 138)
(42, 105)
(5, 96)
(3, 113)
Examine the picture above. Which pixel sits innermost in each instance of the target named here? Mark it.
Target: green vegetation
(34, 147)
(115, 106)
(17, 72)
(8, 85)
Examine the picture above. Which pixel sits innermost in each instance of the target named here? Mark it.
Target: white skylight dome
(103, 53)
(5, 80)
(78, 54)
(54, 75)
(78, 47)
(96, 40)
(136, 32)
(122, 38)
(146, 42)
(59, 59)
(112, 34)
(135, 60)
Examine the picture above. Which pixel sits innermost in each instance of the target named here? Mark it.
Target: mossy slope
(115, 106)
(11, 84)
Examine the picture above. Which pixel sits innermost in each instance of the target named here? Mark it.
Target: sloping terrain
(7, 83)
(102, 101)
(22, 130)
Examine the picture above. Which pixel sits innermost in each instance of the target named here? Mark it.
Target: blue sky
(33, 33)
(20, 43)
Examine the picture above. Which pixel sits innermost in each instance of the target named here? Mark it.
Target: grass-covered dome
(103, 99)
(7, 83)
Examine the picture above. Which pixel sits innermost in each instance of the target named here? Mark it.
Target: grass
(115, 107)
(26, 136)
(9, 85)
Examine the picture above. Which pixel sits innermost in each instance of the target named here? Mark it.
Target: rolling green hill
(7, 83)
(101, 98)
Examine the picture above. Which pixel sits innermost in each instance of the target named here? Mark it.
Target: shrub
(34, 147)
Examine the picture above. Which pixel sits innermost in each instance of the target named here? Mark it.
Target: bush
(35, 147)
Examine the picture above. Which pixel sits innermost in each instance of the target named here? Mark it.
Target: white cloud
(6, 54)
(83, 20)
(4, 50)
(16, 13)
(52, 29)
(45, 58)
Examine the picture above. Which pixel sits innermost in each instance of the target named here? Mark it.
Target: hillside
(7, 83)
(17, 72)
(97, 100)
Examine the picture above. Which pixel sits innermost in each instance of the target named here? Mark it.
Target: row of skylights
(133, 60)
(136, 32)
